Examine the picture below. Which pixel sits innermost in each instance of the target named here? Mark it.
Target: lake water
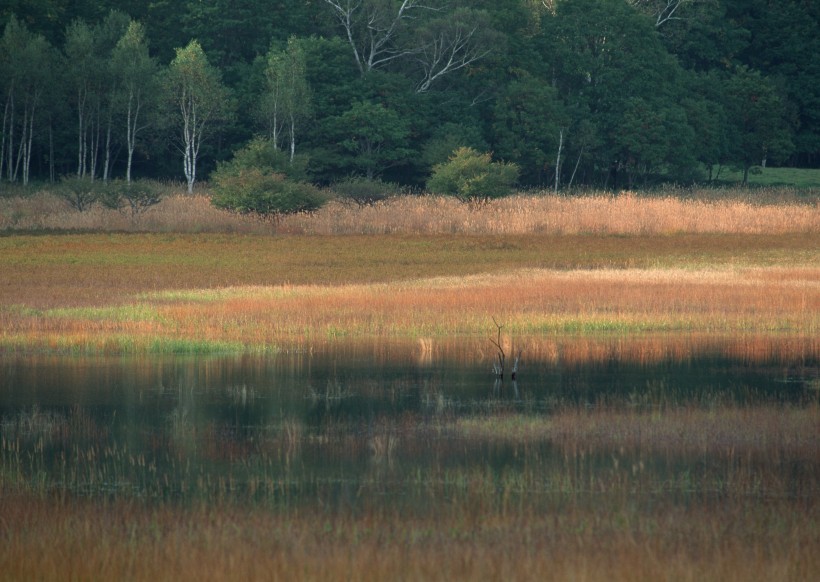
(344, 422)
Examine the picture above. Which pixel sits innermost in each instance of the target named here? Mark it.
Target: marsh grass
(534, 304)
(638, 485)
(670, 210)
(728, 541)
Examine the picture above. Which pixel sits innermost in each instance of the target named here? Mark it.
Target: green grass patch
(126, 345)
(796, 177)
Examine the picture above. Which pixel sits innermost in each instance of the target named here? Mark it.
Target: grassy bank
(122, 293)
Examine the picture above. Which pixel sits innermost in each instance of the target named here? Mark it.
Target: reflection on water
(346, 423)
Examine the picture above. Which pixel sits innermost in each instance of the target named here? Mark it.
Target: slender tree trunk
(558, 159)
(27, 159)
(95, 144)
(3, 135)
(129, 137)
(107, 162)
(51, 172)
(81, 133)
(292, 137)
(10, 152)
(575, 169)
(275, 129)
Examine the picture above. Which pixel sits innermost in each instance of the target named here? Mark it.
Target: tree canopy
(614, 93)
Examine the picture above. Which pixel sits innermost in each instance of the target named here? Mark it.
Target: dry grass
(626, 213)
(675, 211)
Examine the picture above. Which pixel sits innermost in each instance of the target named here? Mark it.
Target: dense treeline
(613, 93)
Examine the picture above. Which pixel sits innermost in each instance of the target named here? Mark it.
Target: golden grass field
(584, 279)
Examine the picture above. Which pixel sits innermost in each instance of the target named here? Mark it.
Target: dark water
(302, 426)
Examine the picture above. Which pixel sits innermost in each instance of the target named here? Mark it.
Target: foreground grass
(667, 494)
(726, 541)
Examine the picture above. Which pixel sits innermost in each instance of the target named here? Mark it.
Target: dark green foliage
(263, 155)
(576, 92)
(251, 191)
(472, 177)
(260, 180)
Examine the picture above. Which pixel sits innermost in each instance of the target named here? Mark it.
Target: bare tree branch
(372, 26)
(451, 44)
(663, 10)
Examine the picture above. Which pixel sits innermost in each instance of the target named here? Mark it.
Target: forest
(600, 93)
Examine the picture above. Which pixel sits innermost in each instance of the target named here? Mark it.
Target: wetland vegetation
(321, 406)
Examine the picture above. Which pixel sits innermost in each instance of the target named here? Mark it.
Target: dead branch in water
(499, 364)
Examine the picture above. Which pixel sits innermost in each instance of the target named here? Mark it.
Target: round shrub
(252, 191)
(473, 177)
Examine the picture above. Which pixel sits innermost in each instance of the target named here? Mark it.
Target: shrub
(364, 191)
(473, 177)
(261, 179)
(137, 196)
(252, 191)
(80, 193)
(261, 154)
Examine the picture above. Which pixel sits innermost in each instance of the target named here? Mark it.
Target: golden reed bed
(625, 213)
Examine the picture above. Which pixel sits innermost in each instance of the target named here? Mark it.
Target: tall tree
(137, 73)
(287, 100)
(757, 120)
(200, 99)
(82, 67)
(26, 65)
(530, 126)
(371, 138)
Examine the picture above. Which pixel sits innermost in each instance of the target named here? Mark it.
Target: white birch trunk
(81, 96)
(27, 158)
(558, 159)
(10, 152)
(3, 135)
(292, 137)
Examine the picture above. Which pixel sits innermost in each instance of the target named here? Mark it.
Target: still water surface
(333, 423)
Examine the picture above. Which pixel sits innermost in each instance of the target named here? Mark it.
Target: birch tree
(381, 32)
(200, 100)
(82, 67)
(287, 98)
(26, 68)
(137, 75)
(106, 37)
(664, 11)
(451, 43)
(373, 27)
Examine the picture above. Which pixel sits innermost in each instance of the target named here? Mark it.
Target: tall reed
(672, 211)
